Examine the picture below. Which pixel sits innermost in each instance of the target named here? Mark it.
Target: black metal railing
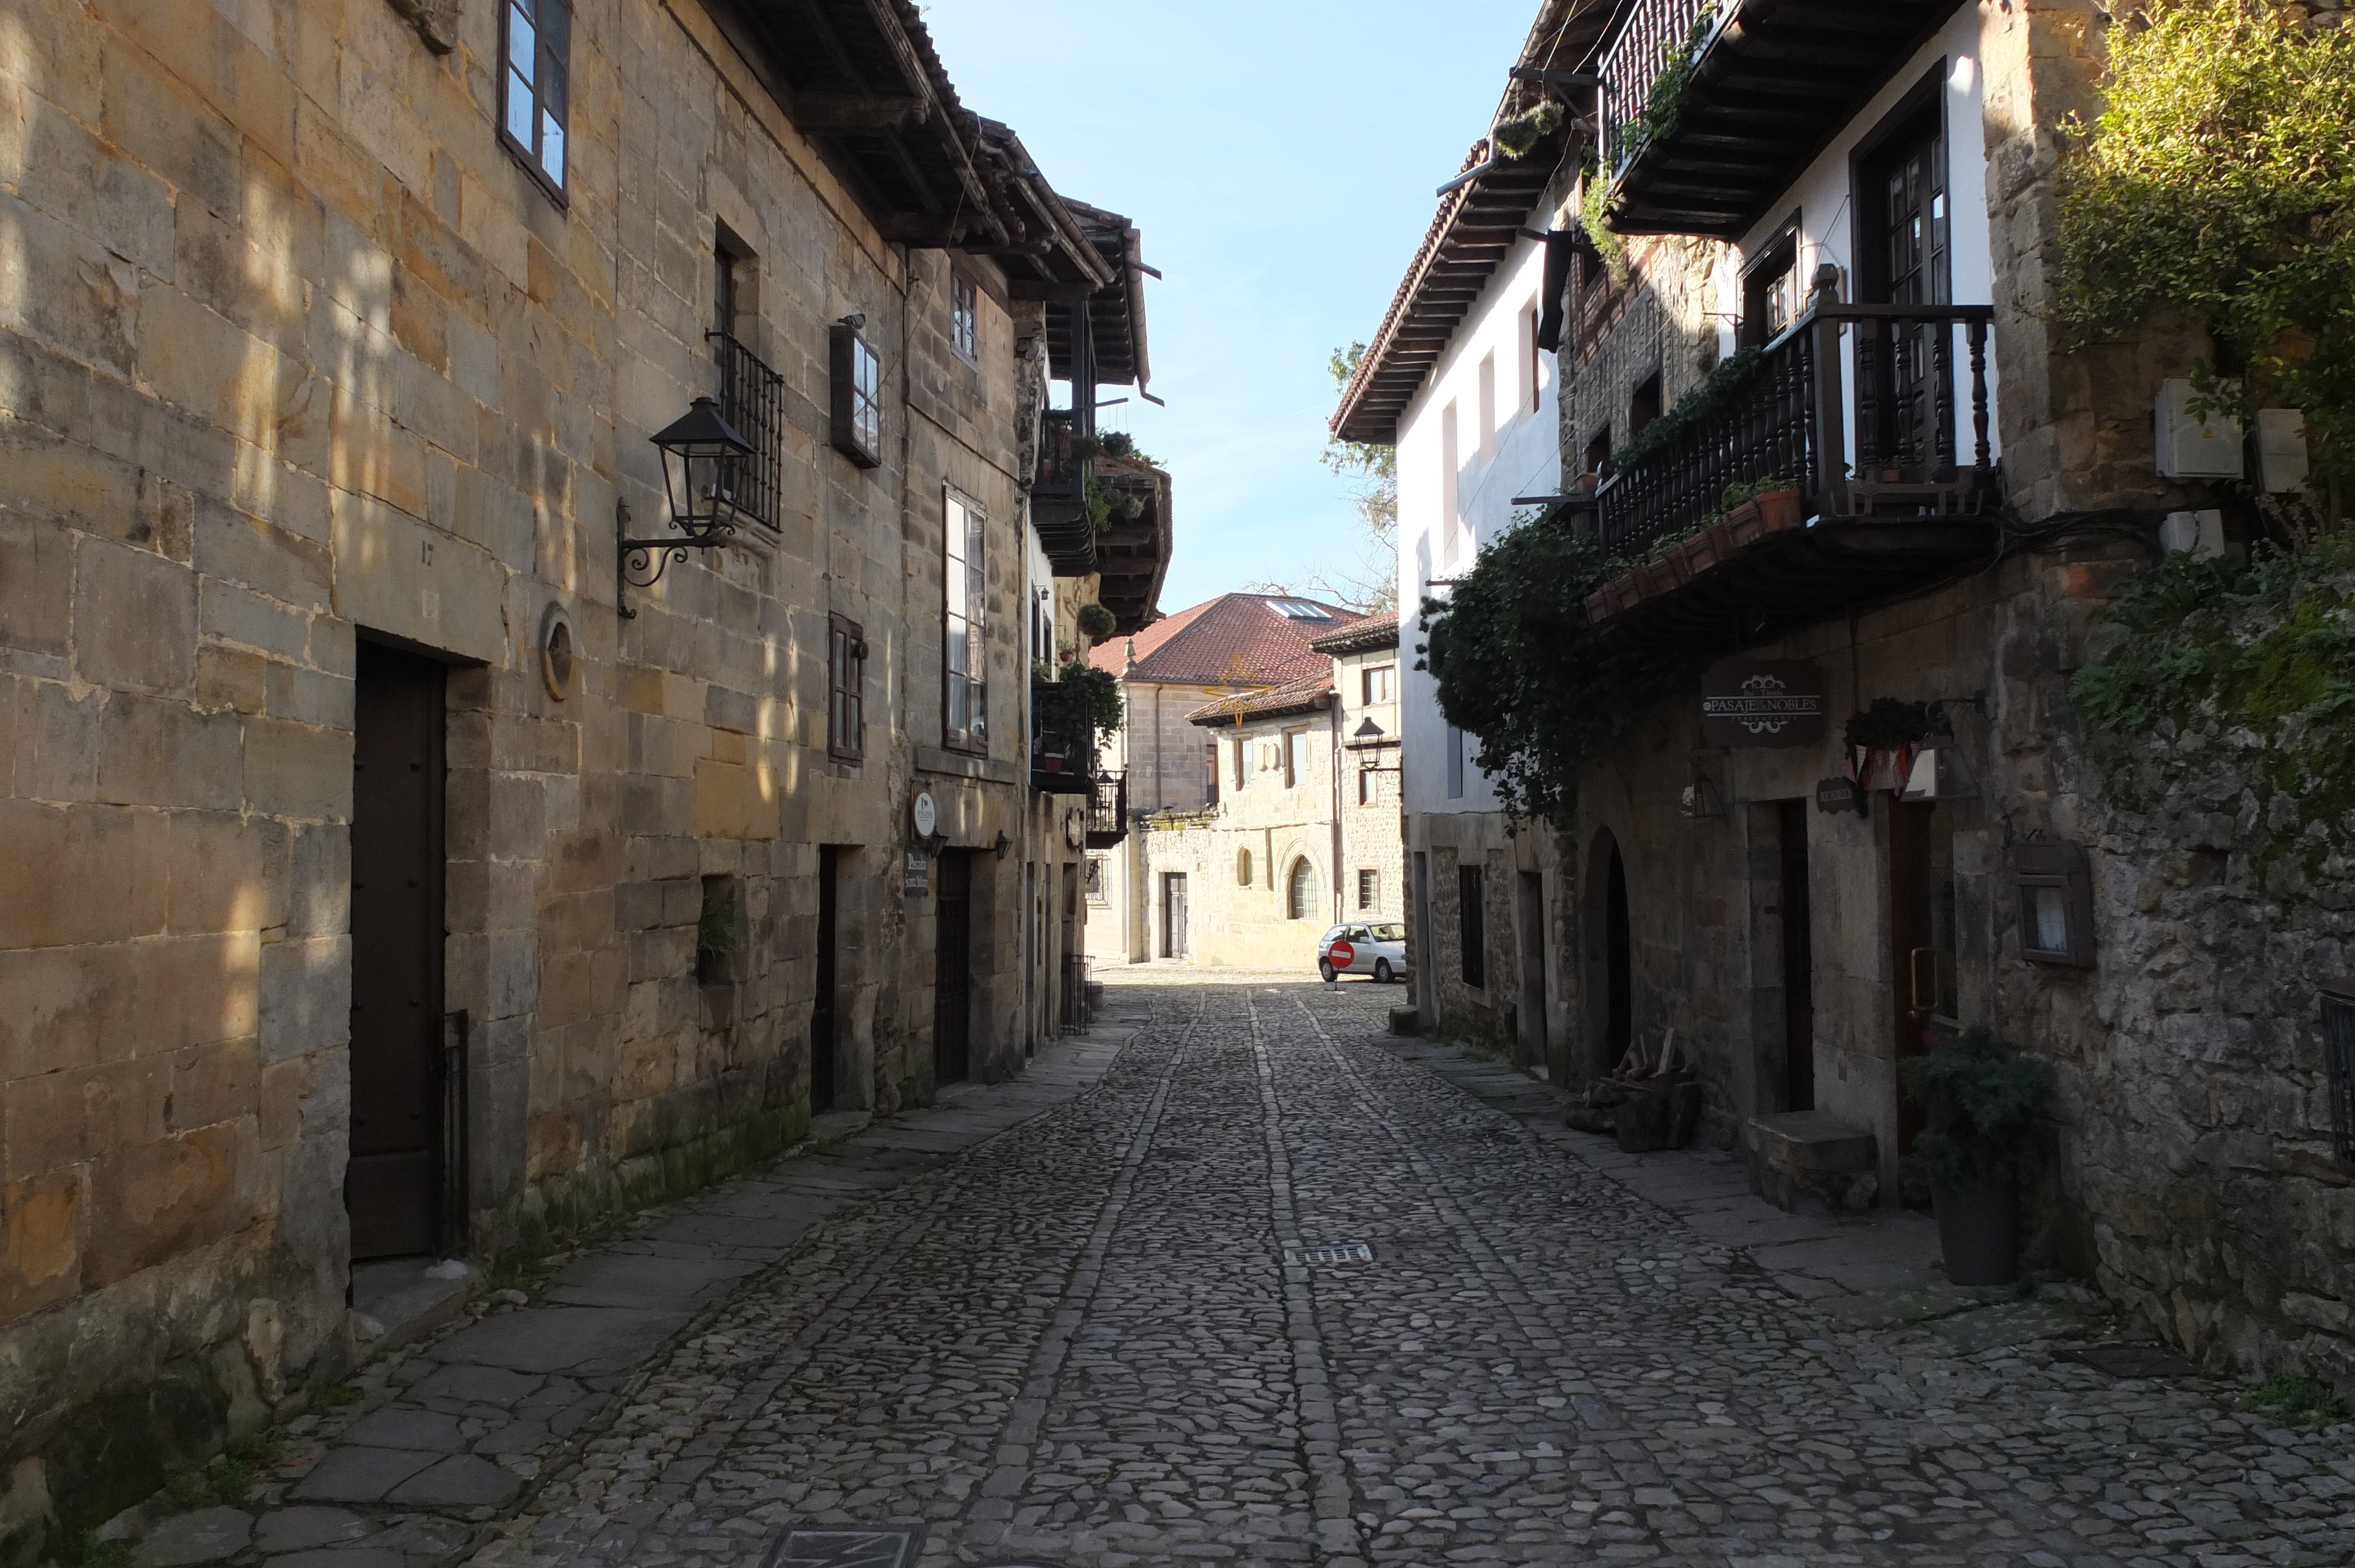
(1108, 809)
(1789, 419)
(752, 400)
(1647, 44)
(1062, 739)
(1059, 493)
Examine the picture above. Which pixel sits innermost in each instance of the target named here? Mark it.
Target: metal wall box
(2201, 532)
(2056, 903)
(2281, 450)
(2194, 449)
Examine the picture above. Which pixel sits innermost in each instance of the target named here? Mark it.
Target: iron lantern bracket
(640, 563)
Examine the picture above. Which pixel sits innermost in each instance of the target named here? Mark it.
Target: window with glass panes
(533, 91)
(845, 679)
(967, 717)
(964, 316)
(1379, 681)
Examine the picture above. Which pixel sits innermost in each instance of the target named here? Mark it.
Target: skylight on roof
(1299, 610)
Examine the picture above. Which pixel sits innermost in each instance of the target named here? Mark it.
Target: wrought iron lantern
(701, 453)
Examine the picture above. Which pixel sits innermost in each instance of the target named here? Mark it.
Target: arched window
(1243, 868)
(1300, 900)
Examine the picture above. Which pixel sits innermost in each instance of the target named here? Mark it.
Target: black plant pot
(1979, 1230)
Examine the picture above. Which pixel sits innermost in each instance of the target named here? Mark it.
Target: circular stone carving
(557, 659)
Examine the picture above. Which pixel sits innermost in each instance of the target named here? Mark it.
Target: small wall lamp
(1699, 800)
(699, 451)
(2056, 903)
(1003, 843)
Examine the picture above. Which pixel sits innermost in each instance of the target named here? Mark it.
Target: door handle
(1925, 996)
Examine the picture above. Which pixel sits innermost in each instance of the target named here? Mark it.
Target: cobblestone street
(1107, 1338)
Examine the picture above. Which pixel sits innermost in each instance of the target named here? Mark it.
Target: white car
(1376, 948)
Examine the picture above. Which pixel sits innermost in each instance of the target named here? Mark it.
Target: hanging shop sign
(1836, 796)
(918, 877)
(1762, 701)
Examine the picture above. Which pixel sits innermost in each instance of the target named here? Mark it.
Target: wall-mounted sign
(919, 877)
(1762, 701)
(928, 816)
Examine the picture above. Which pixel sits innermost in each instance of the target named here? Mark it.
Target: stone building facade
(1304, 829)
(356, 838)
(1157, 894)
(1802, 936)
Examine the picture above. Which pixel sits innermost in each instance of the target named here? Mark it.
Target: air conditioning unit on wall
(2194, 449)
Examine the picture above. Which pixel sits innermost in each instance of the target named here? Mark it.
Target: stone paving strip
(1280, 1289)
(440, 1438)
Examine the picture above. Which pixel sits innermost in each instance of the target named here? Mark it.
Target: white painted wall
(1517, 454)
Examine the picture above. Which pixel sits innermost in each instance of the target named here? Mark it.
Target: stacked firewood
(1650, 1100)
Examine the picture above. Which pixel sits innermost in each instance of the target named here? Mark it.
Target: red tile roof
(1361, 636)
(1293, 697)
(1236, 638)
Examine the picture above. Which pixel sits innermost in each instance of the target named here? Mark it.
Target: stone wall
(292, 355)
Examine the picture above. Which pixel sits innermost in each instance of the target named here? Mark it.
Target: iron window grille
(1472, 926)
(2338, 1060)
(857, 397)
(752, 400)
(845, 679)
(535, 47)
(1370, 886)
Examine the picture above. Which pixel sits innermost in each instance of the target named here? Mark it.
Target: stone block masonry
(296, 360)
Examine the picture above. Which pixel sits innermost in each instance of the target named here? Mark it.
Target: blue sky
(1280, 158)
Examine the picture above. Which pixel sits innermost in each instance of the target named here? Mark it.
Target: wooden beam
(819, 113)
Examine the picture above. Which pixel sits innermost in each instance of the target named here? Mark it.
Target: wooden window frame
(1389, 672)
(848, 354)
(965, 597)
(1778, 256)
(531, 153)
(846, 693)
(965, 318)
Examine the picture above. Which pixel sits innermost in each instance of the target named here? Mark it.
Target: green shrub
(1979, 1102)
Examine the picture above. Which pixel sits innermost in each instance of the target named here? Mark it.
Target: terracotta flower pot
(1627, 591)
(1979, 1231)
(1698, 553)
(1600, 603)
(1746, 522)
(1779, 510)
(1728, 543)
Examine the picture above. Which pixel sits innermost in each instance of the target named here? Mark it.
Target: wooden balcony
(1108, 809)
(1875, 417)
(1062, 740)
(1741, 97)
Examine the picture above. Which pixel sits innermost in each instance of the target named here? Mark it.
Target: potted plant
(1979, 1102)
(1779, 510)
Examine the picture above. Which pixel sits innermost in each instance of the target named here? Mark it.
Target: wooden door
(394, 1186)
(1906, 384)
(822, 1043)
(1533, 986)
(1798, 961)
(1173, 915)
(952, 970)
(1618, 966)
(1922, 938)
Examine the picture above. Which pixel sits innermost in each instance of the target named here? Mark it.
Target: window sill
(963, 765)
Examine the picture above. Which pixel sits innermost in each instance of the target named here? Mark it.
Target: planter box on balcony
(1600, 603)
(1746, 523)
(1779, 510)
(1627, 591)
(1713, 547)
